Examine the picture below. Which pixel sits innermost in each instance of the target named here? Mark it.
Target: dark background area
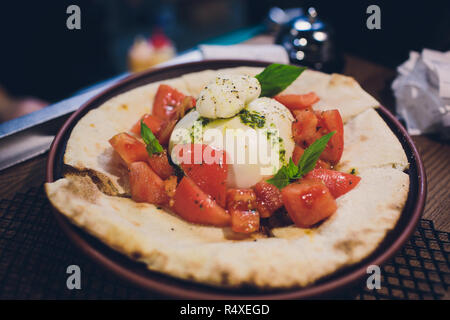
(40, 57)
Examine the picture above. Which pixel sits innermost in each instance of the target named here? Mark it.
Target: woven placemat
(34, 255)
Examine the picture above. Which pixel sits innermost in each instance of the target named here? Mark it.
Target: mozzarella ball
(226, 95)
(257, 141)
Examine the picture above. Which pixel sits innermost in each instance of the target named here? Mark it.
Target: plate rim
(177, 291)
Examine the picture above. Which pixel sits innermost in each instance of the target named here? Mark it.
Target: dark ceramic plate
(136, 273)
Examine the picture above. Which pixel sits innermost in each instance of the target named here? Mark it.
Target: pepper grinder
(310, 42)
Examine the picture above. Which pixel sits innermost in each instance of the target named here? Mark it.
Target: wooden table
(376, 80)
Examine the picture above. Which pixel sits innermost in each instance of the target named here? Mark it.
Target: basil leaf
(291, 172)
(281, 178)
(277, 77)
(152, 144)
(312, 153)
(292, 169)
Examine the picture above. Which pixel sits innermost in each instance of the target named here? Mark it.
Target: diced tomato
(160, 164)
(187, 104)
(297, 154)
(164, 133)
(244, 221)
(194, 205)
(209, 173)
(169, 106)
(146, 185)
(308, 202)
(310, 126)
(241, 199)
(304, 126)
(193, 102)
(297, 101)
(168, 101)
(338, 183)
(329, 121)
(129, 148)
(151, 121)
(268, 198)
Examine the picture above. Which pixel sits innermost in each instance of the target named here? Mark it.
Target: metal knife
(31, 135)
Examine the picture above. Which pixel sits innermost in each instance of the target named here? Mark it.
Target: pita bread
(290, 256)
(369, 143)
(293, 257)
(88, 146)
(335, 92)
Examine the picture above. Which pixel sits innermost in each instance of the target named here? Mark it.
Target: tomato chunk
(244, 221)
(170, 104)
(297, 154)
(166, 101)
(297, 101)
(338, 183)
(268, 198)
(129, 148)
(151, 121)
(304, 126)
(162, 129)
(187, 104)
(194, 205)
(331, 120)
(310, 126)
(160, 164)
(164, 133)
(241, 199)
(308, 202)
(146, 185)
(209, 173)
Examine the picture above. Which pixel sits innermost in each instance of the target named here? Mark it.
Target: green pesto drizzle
(274, 139)
(252, 119)
(204, 121)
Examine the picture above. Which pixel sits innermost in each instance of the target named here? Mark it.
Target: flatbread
(88, 146)
(168, 244)
(369, 143)
(290, 256)
(335, 91)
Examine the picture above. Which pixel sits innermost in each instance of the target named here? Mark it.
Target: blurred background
(42, 62)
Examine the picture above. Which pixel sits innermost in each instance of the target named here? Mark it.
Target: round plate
(159, 283)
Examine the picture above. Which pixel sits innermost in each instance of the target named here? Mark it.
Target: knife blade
(31, 135)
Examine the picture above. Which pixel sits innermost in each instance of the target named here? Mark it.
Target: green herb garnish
(285, 175)
(277, 77)
(252, 119)
(204, 121)
(291, 172)
(152, 144)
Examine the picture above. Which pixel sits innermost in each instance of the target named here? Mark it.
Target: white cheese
(226, 95)
(243, 141)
